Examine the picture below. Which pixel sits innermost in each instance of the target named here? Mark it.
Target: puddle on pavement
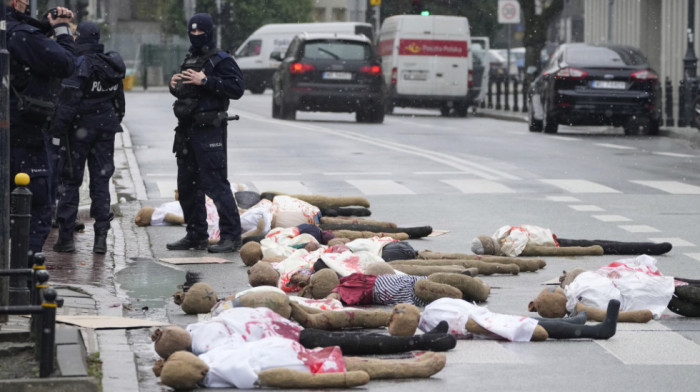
(148, 283)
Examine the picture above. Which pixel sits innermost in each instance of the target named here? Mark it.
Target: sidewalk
(85, 358)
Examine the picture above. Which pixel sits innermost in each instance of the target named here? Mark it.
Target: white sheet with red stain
(348, 263)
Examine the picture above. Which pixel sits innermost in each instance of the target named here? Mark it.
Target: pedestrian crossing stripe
(673, 187)
(612, 218)
(469, 186)
(639, 228)
(677, 242)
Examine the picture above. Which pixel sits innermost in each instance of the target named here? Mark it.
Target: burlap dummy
(263, 274)
(482, 268)
(357, 221)
(339, 319)
(183, 370)
(549, 303)
(251, 253)
(380, 269)
(200, 298)
(567, 277)
(628, 316)
(422, 366)
(275, 301)
(143, 217)
(288, 378)
(413, 232)
(529, 265)
(338, 241)
(323, 201)
(353, 235)
(404, 320)
(430, 291)
(485, 245)
(472, 289)
(169, 340)
(540, 250)
(321, 284)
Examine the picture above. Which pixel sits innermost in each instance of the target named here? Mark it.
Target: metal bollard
(498, 94)
(515, 96)
(39, 261)
(20, 218)
(489, 95)
(48, 333)
(524, 108)
(41, 278)
(668, 94)
(681, 104)
(506, 93)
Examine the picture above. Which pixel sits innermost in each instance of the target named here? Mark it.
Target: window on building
(339, 14)
(147, 10)
(319, 14)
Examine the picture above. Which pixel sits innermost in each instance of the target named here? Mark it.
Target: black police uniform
(200, 141)
(90, 108)
(35, 60)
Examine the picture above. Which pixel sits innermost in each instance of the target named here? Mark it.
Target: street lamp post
(690, 64)
(4, 162)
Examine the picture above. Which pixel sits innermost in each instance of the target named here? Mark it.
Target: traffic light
(417, 8)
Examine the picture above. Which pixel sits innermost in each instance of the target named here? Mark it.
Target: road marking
(290, 187)
(585, 207)
(268, 174)
(676, 242)
(674, 154)
(615, 146)
(695, 256)
(612, 218)
(567, 139)
(580, 186)
(380, 187)
(563, 199)
(462, 164)
(478, 186)
(357, 173)
(672, 187)
(166, 188)
(655, 344)
(439, 173)
(481, 352)
(639, 228)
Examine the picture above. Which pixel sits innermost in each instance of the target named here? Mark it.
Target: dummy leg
(357, 221)
(345, 211)
(422, 366)
(361, 343)
(621, 248)
(473, 289)
(322, 201)
(413, 232)
(629, 316)
(288, 378)
(684, 308)
(555, 251)
(482, 268)
(604, 330)
(339, 319)
(353, 234)
(525, 265)
(580, 318)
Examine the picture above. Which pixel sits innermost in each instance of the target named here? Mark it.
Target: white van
(253, 56)
(426, 62)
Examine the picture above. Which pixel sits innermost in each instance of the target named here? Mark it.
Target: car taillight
(394, 75)
(644, 75)
(373, 70)
(571, 73)
(470, 79)
(300, 68)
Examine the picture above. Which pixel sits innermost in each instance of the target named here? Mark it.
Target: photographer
(35, 62)
(209, 78)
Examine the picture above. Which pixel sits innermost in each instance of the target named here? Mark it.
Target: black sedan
(329, 73)
(585, 84)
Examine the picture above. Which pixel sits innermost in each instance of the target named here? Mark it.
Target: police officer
(90, 108)
(209, 78)
(35, 60)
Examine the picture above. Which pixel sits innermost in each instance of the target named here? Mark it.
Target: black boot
(225, 246)
(558, 329)
(64, 245)
(79, 226)
(100, 245)
(187, 243)
(361, 343)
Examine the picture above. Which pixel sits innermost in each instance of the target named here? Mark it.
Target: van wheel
(462, 109)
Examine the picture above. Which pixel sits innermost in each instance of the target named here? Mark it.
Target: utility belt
(184, 109)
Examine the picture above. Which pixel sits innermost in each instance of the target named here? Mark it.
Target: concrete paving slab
(71, 360)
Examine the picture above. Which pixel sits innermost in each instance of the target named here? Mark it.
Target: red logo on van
(429, 47)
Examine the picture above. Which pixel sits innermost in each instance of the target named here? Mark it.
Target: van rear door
(414, 76)
(450, 56)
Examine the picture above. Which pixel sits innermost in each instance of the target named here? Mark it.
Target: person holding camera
(90, 109)
(35, 61)
(208, 79)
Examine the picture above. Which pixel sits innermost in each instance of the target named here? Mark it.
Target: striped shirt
(396, 289)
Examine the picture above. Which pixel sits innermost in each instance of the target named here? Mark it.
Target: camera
(55, 15)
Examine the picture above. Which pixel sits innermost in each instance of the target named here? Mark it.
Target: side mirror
(276, 56)
(531, 70)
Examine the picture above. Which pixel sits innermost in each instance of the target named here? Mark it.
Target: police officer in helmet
(35, 61)
(89, 114)
(209, 78)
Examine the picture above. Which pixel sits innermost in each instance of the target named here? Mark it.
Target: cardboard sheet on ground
(436, 233)
(108, 322)
(194, 260)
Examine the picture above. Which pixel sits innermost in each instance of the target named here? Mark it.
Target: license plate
(415, 75)
(337, 75)
(608, 84)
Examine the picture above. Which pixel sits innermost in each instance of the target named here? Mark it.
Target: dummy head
(551, 302)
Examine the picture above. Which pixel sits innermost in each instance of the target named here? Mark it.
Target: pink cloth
(356, 289)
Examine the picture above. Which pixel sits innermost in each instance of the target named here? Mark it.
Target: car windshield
(599, 56)
(337, 50)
